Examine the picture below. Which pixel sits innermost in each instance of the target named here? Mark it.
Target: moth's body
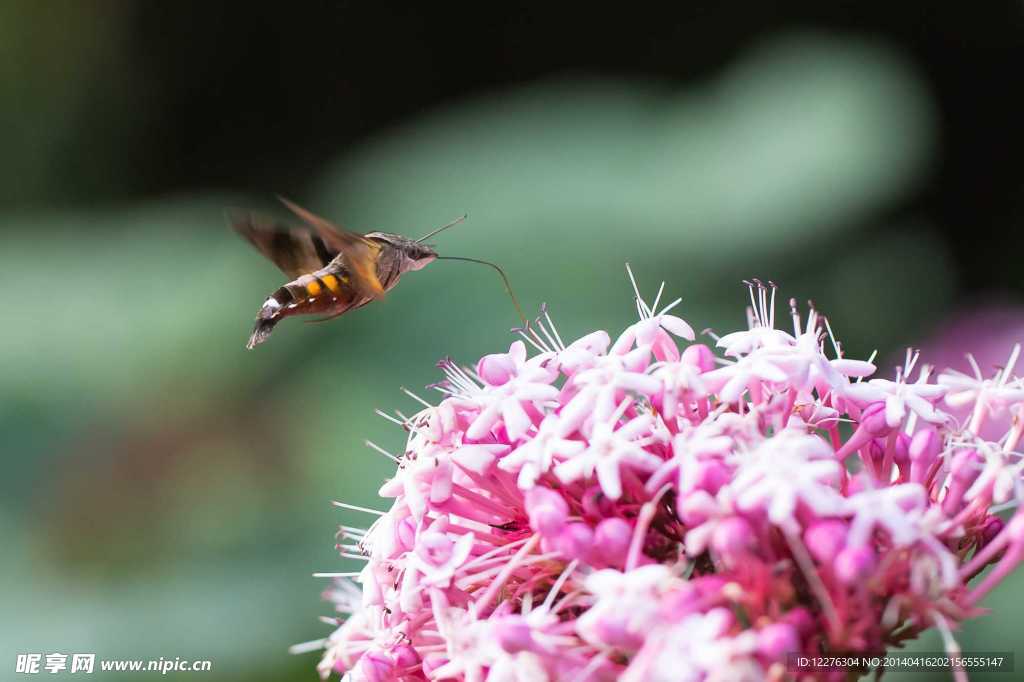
(334, 271)
(319, 293)
(329, 291)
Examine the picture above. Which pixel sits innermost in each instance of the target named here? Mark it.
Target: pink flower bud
(872, 425)
(825, 539)
(374, 666)
(964, 470)
(434, 547)
(859, 483)
(1015, 528)
(406, 532)
(575, 541)
(700, 356)
(732, 538)
(614, 631)
(597, 505)
(711, 475)
(432, 663)
(776, 640)
(901, 453)
(710, 585)
(496, 369)
(611, 540)
(547, 511)
(680, 601)
(801, 620)
(876, 453)
(993, 526)
(854, 564)
(965, 465)
(873, 421)
(924, 448)
(817, 415)
(696, 508)
(514, 634)
(405, 656)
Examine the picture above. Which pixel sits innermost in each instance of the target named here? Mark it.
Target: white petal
(677, 326)
(481, 426)
(734, 388)
(767, 371)
(571, 469)
(928, 390)
(925, 409)
(477, 458)
(536, 392)
(624, 342)
(894, 410)
(696, 540)
(864, 392)
(572, 416)
(640, 383)
(568, 448)
(854, 368)
(957, 380)
(517, 351)
(463, 546)
(441, 483)
(609, 478)
(635, 427)
(517, 421)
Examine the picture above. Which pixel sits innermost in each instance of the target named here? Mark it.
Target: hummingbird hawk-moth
(333, 270)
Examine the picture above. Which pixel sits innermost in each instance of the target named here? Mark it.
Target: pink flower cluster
(620, 509)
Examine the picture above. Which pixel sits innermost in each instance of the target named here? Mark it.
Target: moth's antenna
(504, 277)
(442, 228)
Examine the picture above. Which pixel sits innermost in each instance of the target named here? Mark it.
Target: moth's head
(415, 255)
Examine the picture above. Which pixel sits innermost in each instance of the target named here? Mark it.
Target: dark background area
(259, 97)
(167, 493)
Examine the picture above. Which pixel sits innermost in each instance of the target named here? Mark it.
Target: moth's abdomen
(323, 292)
(315, 293)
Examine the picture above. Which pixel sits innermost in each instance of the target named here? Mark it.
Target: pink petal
(664, 348)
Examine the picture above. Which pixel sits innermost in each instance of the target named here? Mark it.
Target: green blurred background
(166, 493)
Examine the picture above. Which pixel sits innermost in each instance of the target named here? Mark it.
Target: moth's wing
(360, 254)
(295, 250)
(361, 261)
